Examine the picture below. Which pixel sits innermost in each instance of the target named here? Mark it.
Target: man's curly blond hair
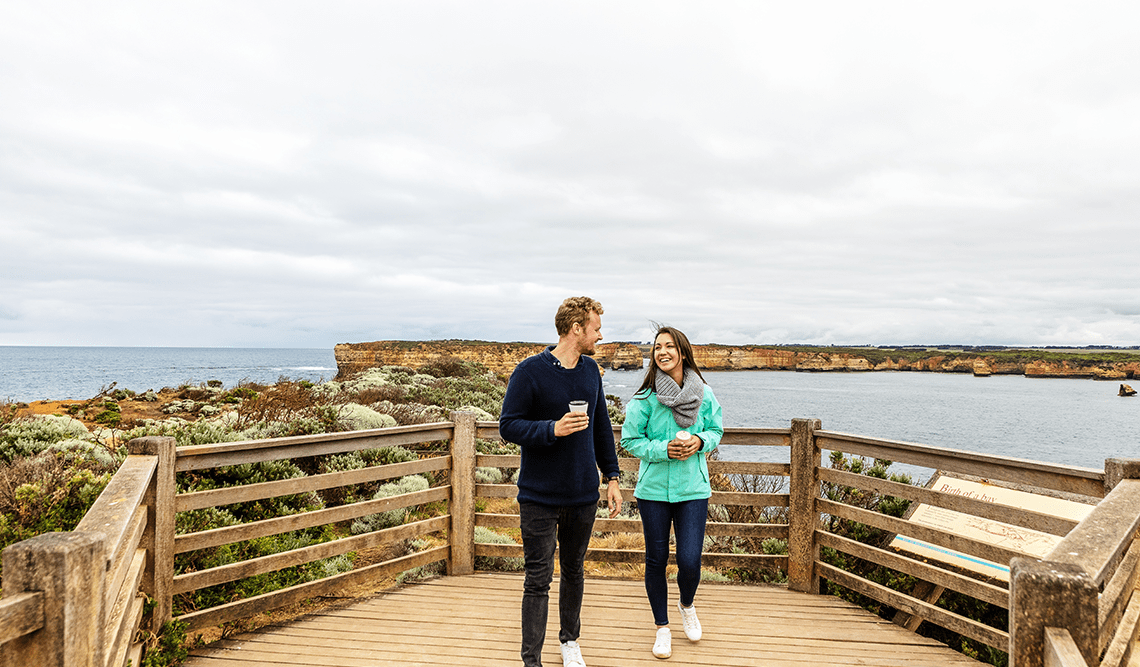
(575, 310)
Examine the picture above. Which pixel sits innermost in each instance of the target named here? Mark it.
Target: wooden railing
(750, 437)
(77, 598)
(1090, 615)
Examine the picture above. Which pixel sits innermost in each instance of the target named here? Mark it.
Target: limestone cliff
(502, 358)
(352, 358)
(750, 357)
(619, 356)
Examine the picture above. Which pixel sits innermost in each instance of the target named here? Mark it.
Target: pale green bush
(484, 535)
(28, 436)
(488, 476)
(356, 417)
(380, 520)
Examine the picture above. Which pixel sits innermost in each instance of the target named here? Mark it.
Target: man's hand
(613, 498)
(571, 422)
(683, 449)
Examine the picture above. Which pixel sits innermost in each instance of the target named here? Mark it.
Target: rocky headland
(351, 358)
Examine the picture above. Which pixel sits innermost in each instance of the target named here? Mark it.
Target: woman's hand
(683, 449)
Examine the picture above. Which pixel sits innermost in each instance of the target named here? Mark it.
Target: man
(562, 452)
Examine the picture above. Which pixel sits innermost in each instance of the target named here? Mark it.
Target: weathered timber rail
(77, 598)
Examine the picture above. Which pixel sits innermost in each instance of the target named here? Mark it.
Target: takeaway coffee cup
(682, 435)
(578, 406)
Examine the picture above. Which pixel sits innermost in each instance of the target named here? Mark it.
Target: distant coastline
(1101, 363)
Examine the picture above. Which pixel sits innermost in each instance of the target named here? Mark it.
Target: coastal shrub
(488, 476)
(49, 492)
(484, 535)
(390, 518)
(258, 584)
(411, 413)
(28, 436)
(253, 473)
(356, 417)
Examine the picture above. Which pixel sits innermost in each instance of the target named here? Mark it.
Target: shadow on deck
(474, 620)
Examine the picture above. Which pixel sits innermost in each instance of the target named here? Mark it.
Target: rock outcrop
(352, 358)
(619, 356)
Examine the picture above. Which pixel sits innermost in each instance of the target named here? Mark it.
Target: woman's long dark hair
(687, 360)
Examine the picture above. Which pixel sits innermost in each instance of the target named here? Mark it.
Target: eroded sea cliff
(351, 358)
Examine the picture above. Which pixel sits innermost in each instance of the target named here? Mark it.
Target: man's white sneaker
(572, 655)
(689, 620)
(663, 645)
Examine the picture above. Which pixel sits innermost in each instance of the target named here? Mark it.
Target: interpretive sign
(1024, 540)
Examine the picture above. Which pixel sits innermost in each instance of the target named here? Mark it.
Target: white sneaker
(663, 645)
(572, 655)
(689, 620)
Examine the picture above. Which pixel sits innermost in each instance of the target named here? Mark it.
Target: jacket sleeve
(711, 418)
(635, 433)
(604, 451)
(514, 424)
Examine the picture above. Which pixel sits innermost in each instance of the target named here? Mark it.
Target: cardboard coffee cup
(578, 406)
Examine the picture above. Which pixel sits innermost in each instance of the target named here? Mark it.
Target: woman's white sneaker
(663, 645)
(689, 620)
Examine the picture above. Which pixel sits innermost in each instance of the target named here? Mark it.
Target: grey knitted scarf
(684, 401)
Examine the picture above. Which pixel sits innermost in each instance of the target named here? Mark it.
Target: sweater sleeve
(605, 453)
(635, 434)
(513, 423)
(711, 418)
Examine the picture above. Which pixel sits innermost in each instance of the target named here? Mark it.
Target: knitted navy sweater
(557, 471)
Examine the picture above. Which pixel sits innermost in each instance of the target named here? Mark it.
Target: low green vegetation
(53, 467)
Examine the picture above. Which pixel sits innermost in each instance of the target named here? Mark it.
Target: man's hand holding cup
(575, 420)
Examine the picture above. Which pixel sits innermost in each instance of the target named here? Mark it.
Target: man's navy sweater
(557, 471)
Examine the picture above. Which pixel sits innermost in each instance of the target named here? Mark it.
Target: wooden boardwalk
(474, 620)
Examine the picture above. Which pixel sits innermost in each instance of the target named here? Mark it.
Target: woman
(672, 422)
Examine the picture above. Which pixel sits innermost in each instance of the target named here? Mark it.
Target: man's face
(589, 335)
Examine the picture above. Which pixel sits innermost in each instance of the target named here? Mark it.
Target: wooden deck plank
(474, 620)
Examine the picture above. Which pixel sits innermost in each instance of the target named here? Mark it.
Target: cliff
(1028, 363)
(352, 358)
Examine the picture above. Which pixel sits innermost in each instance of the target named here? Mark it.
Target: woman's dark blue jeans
(688, 521)
(544, 528)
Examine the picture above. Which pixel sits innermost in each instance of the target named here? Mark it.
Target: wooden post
(69, 568)
(1117, 470)
(462, 532)
(803, 519)
(158, 538)
(1044, 594)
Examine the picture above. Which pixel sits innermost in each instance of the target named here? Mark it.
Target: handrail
(125, 546)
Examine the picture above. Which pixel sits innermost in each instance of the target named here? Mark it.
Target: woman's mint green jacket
(648, 428)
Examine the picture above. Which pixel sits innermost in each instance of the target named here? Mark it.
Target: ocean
(1064, 421)
(1055, 420)
(78, 373)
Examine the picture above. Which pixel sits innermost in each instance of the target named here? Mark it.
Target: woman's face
(665, 353)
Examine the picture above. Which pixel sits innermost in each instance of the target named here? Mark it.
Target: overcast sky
(301, 174)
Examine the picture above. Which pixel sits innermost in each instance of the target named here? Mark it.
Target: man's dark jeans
(544, 528)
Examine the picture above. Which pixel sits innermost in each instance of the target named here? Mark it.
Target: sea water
(1063, 421)
(78, 373)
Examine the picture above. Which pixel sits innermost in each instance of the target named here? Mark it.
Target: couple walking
(671, 423)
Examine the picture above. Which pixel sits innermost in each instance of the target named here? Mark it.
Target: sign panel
(1023, 540)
